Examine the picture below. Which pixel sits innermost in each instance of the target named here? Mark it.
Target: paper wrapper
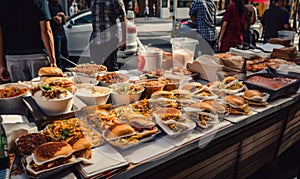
(211, 68)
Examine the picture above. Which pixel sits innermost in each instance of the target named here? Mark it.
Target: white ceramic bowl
(84, 78)
(52, 107)
(99, 95)
(119, 98)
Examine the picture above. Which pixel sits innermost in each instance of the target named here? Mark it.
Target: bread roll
(203, 105)
(235, 100)
(119, 130)
(252, 93)
(50, 150)
(79, 142)
(50, 71)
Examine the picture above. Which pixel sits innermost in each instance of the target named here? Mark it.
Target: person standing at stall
(27, 39)
(248, 35)
(203, 12)
(234, 21)
(60, 38)
(104, 41)
(274, 19)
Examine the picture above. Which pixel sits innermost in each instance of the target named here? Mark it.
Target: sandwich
(46, 72)
(162, 102)
(81, 146)
(169, 114)
(137, 128)
(182, 97)
(255, 98)
(212, 106)
(50, 155)
(204, 93)
(142, 125)
(181, 94)
(192, 86)
(231, 83)
(162, 94)
(119, 130)
(219, 107)
(173, 118)
(215, 85)
(206, 114)
(27, 143)
(236, 105)
(229, 80)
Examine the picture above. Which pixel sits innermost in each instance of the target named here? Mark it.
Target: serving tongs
(271, 72)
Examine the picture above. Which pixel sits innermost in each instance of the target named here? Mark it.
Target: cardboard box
(280, 41)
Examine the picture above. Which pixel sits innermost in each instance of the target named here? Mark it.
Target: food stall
(211, 141)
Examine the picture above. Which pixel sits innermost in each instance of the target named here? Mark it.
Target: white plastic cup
(150, 59)
(287, 34)
(183, 50)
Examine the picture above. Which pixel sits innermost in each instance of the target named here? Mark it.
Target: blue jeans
(61, 49)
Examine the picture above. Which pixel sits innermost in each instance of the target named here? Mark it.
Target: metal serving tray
(284, 91)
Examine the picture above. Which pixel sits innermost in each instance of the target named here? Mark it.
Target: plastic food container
(183, 50)
(124, 93)
(150, 59)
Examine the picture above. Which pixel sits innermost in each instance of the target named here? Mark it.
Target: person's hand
(4, 74)
(61, 14)
(122, 46)
(53, 65)
(219, 45)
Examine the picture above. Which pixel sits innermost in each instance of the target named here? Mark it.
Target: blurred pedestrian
(60, 39)
(136, 9)
(146, 12)
(234, 21)
(27, 39)
(104, 41)
(203, 13)
(73, 8)
(153, 10)
(274, 19)
(248, 34)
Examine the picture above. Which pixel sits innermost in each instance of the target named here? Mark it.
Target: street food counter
(235, 151)
(228, 146)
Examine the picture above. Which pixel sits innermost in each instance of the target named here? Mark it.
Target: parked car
(78, 31)
(185, 27)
